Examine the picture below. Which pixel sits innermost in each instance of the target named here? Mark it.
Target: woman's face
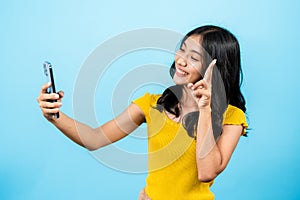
(188, 61)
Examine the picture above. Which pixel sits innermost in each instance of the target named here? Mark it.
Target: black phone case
(49, 74)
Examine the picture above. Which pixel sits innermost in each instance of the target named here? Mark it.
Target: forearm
(78, 132)
(208, 155)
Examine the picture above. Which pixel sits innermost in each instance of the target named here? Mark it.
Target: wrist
(206, 109)
(52, 118)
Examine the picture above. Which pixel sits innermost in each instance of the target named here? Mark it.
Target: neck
(187, 102)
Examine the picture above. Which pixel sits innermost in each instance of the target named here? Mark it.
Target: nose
(181, 61)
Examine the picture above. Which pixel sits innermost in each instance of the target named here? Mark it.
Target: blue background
(38, 162)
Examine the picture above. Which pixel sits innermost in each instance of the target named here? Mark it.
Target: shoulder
(235, 116)
(147, 98)
(146, 101)
(233, 112)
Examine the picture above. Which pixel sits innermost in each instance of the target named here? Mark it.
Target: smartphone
(48, 70)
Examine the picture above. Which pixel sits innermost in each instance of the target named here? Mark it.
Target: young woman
(193, 127)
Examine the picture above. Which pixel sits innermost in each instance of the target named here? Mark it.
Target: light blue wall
(38, 162)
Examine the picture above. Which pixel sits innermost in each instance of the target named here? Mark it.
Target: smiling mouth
(181, 72)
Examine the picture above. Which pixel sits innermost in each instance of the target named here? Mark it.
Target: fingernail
(56, 96)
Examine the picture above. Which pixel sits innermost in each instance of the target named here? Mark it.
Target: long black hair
(222, 45)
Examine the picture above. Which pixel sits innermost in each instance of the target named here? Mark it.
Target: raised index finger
(208, 74)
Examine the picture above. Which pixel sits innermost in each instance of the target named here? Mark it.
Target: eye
(194, 59)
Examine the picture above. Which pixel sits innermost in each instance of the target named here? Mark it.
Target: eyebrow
(196, 52)
(193, 50)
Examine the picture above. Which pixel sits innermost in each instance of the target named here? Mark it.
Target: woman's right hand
(47, 104)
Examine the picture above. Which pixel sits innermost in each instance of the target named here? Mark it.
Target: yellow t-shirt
(171, 154)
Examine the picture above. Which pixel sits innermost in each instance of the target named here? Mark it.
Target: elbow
(92, 147)
(94, 142)
(206, 177)
(89, 147)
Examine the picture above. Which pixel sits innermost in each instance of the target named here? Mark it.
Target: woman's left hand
(202, 89)
(143, 195)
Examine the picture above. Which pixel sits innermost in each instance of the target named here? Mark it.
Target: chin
(179, 81)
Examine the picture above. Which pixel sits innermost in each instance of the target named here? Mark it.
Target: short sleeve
(146, 102)
(235, 116)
